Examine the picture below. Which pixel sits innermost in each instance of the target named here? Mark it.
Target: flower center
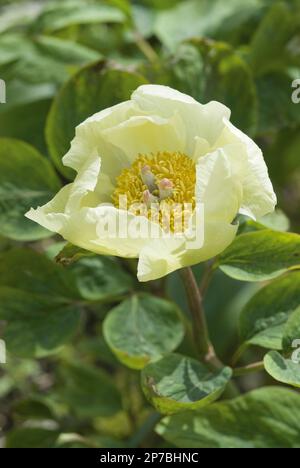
(165, 179)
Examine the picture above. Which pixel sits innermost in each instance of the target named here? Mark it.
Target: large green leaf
(36, 274)
(42, 59)
(291, 332)
(262, 255)
(26, 120)
(277, 221)
(32, 408)
(279, 113)
(32, 437)
(92, 89)
(143, 328)
(279, 24)
(89, 392)
(228, 79)
(100, 278)
(26, 180)
(38, 302)
(263, 319)
(17, 14)
(177, 383)
(35, 326)
(283, 170)
(282, 369)
(265, 418)
(59, 15)
(217, 19)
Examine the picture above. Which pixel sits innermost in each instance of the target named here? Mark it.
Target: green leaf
(282, 369)
(17, 14)
(32, 408)
(28, 437)
(216, 19)
(64, 52)
(184, 71)
(277, 221)
(92, 89)
(143, 328)
(89, 392)
(228, 79)
(279, 24)
(263, 319)
(262, 255)
(265, 418)
(42, 59)
(36, 327)
(18, 193)
(36, 274)
(284, 169)
(100, 278)
(177, 383)
(70, 254)
(280, 113)
(291, 332)
(59, 15)
(38, 301)
(25, 121)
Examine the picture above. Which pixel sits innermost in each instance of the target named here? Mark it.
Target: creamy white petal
(89, 147)
(258, 194)
(159, 258)
(204, 121)
(218, 235)
(147, 134)
(163, 257)
(52, 216)
(107, 230)
(219, 187)
(85, 182)
(122, 233)
(202, 147)
(88, 136)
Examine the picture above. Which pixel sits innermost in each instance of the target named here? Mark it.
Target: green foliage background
(94, 358)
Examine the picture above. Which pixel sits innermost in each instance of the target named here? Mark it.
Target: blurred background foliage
(62, 61)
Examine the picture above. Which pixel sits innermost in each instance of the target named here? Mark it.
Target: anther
(165, 187)
(148, 178)
(149, 199)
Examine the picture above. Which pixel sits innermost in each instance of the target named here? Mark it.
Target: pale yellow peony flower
(162, 146)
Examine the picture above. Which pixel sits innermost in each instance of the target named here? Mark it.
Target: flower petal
(218, 185)
(162, 257)
(88, 140)
(52, 215)
(259, 198)
(159, 258)
(147, 134)
(204, 121)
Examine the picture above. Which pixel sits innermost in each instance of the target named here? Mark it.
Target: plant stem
(145, 47)
(143, 432)
(251, 368)
(207, 276)
(204, 347)
(200, 331)
(237, 355)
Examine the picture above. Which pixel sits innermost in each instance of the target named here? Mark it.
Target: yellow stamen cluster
(177, 168)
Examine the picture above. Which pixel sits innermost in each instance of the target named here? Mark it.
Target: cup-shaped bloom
(160, 178)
